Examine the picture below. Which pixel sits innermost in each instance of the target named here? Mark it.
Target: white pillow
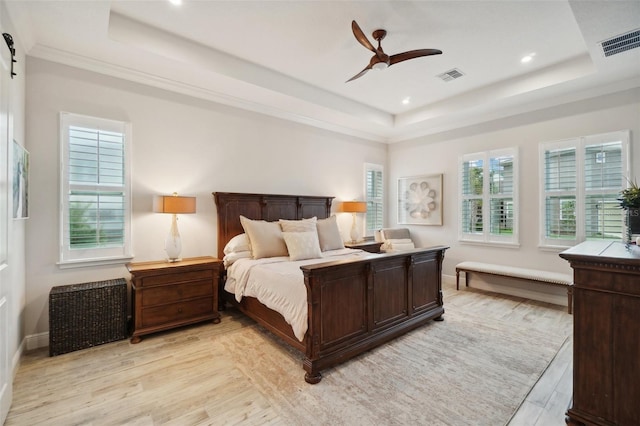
(237, 244)
(265, 238)
(329, 234)
(304, 225)
(302, 245)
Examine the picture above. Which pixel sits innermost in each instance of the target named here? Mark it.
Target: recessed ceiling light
(406, 101)
(176, 2)
(527, 58)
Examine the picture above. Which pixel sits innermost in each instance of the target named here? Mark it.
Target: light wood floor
(119, 383)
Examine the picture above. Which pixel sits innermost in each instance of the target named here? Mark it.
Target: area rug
(462, 371)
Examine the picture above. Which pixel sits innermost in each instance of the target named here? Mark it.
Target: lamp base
(178, 259)
(173, 243)
(354, 234)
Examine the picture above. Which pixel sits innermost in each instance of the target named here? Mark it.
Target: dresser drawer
(177, 312)
(174, 293)
(176, 277)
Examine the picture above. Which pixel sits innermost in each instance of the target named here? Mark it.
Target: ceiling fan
(381, 60)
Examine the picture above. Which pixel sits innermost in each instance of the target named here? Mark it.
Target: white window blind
(95, 189)
(374, 190)
(488, 197)
(582, 178)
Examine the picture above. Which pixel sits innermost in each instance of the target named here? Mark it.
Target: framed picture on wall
(420, 200)
(20, 182)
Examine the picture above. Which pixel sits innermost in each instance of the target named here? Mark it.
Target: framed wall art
(20, 182)
(420, 200)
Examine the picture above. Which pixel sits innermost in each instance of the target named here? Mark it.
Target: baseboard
(556, 295)
(35, 341)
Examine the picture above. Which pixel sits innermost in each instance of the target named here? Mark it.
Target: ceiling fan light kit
(381, 60)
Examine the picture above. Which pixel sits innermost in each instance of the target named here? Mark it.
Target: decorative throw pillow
(304, 225)
(237, 244)
(265, 238)
(302, 245)
(329, 234)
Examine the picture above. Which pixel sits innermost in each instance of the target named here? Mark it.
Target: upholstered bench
(532, 275)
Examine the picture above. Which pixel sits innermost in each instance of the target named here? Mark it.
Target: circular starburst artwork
(420, 200)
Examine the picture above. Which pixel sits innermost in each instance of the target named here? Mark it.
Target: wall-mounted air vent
(621, 43)
(451, 75)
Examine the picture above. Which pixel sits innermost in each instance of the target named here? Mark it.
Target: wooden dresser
(167, 295)
(606, 334)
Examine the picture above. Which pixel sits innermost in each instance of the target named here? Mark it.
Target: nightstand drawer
(176, 277)
(176, 312)
(168, 293)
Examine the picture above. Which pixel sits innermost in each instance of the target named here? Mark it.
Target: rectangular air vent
(451, 74)
(621, 43)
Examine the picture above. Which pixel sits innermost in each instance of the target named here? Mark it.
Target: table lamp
(175, 205)
(354, 207)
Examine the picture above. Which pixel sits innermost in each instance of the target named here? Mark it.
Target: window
(582, 179)
(374, 190)
(488, 198)
(95, 190)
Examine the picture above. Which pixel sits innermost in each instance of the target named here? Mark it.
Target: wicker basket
(86, 315)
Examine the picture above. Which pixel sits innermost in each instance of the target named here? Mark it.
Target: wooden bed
(353, 306)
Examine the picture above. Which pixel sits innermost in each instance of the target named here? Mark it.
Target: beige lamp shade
(353, 207)
(174, 204)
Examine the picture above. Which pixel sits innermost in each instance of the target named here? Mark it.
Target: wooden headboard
(267, 207)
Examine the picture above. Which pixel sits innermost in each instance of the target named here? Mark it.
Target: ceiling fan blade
(360, 74)
(394, 59)
(357, 32)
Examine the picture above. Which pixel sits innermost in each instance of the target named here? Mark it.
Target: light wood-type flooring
(120, 383)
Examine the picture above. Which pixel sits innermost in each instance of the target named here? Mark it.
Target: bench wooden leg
(570, 300)
(457, 280)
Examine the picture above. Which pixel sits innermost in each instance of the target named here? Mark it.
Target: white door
(6, 377)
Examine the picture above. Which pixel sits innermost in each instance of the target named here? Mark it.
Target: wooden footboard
(355, 306)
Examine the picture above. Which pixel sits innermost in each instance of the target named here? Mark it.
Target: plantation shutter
(472, 189)
(96, 183)
(560, 184)
(603, 175)
(501, 184)
(374, 190)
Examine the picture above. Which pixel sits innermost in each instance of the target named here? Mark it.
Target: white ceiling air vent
(621, 43)
(451, 75)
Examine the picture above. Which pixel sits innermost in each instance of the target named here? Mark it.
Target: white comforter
(278, 283)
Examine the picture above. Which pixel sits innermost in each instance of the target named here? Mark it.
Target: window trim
(486, 237)
(96, 256)
(580, 193)
(373, 167)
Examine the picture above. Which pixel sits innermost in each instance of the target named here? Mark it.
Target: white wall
(440, 153)
(180, 144)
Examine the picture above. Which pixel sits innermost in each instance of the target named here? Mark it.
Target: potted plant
(630, 201)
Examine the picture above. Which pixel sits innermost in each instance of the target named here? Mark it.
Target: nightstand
(167, 295)
(370, 246)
